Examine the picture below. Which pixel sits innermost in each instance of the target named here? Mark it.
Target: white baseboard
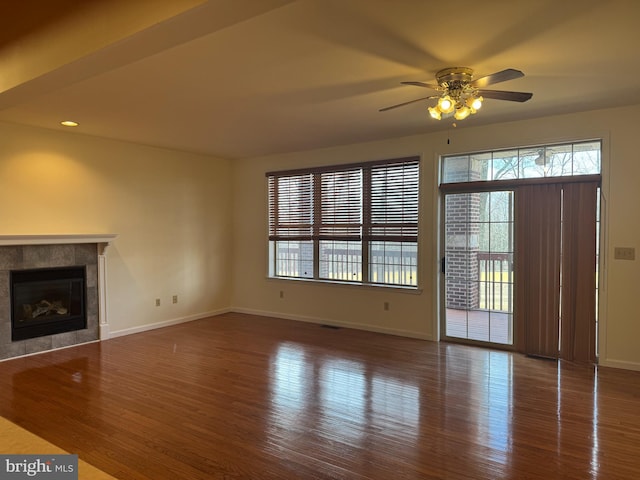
(623, 364)
(166, 323)
(324, 321)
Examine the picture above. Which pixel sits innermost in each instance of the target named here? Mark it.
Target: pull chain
(449, 133)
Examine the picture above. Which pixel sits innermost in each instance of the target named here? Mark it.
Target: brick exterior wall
(462, 244)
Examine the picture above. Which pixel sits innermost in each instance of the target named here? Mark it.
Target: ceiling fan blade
(422, 84)
(501, 76)
(504, 95)
(407, 103)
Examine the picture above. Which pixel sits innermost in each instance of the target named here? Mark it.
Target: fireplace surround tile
(85, 254)
(92, 275)
(10, 257)
(5, 300)
(64, 339)
(92, 300)
(38, 344)
(5, 335)
(41, 256)
(10, 350)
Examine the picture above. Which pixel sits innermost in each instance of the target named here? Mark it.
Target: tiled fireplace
(57, 280)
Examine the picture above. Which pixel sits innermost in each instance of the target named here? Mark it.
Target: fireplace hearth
(47, 301)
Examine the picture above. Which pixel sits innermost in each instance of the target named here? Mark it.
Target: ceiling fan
(461, 95)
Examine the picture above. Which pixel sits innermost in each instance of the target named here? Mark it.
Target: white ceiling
(248, 78)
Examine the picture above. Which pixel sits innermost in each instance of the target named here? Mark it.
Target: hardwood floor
(242, 397)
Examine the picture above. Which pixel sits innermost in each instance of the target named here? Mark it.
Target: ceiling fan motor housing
(455, 81)
(449, 76)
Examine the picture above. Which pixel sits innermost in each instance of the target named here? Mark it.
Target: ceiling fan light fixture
(446, 104)
(435, 113)
(462, 112)
(474, 103)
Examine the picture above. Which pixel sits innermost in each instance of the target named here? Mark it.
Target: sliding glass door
(478, 266)
(528, 211)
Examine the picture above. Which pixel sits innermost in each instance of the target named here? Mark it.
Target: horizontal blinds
(291, 207)
(375, 200)
(340, 205)
(394, 202)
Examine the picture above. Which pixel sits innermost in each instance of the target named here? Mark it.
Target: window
(353, 223)
(544, 161)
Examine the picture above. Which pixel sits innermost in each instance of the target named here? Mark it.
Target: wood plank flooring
(245, 397)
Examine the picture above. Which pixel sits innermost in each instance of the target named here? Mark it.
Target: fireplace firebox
(47, 301)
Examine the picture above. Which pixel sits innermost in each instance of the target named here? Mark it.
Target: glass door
(478, 266)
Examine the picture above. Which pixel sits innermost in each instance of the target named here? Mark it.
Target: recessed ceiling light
(69, 123)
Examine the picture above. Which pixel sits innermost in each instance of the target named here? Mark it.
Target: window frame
(387, 214)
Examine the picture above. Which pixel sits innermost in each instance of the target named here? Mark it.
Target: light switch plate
(624, 253)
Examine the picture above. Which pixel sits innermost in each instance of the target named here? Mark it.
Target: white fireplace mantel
(56, 239)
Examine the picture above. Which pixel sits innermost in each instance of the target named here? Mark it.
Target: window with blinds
(349, 223)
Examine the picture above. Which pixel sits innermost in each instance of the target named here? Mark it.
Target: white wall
(171, 210)
(416, 314)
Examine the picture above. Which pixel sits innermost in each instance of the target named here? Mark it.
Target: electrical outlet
(175, 299)
(157, 302)
(624, 253)
(386, 305)
(281, 293)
